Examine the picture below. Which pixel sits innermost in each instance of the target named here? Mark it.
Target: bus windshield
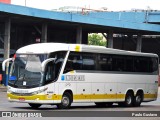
(25, 71)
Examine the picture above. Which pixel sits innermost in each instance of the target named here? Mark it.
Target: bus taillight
(0, 78)
(14, 56)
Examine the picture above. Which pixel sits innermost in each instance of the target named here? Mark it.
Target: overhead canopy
(92, 22)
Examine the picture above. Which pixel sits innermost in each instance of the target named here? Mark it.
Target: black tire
(100, 104)
(138, 99)
(35, 106)
(128, 100)
(66, 101)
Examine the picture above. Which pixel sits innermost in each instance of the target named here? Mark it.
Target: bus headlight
(23, 93)
(39, 91)
(9, 89)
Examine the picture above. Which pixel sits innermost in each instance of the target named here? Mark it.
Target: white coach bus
(62, 74)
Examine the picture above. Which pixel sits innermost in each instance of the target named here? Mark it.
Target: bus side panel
(83, 92)
(107, 87)
(50, 95)
(110, 91)
(138, 82)
(152, 93)
(67, 86)
(98, 91)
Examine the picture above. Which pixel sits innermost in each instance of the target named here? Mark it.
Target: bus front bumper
(39, 98)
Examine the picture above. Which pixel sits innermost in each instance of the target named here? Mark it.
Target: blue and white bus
(12, 52)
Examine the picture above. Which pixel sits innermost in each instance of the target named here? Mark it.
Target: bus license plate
(21, 99)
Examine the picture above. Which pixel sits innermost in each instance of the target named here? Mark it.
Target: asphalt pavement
(3, 88)
(78, 107)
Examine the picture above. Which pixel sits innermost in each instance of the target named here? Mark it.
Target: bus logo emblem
(62, 78)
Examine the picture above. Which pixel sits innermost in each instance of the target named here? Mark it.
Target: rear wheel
(128, 100)
(66, 101)
(138, 99)
(34, 105)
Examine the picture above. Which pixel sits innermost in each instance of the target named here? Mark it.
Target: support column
(139, 43)
(44, 33)
(7, 38)
(85, 37)
(6, 48)
(110, 39)
(79, 35)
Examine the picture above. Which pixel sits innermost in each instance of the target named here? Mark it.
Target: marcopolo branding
(73, 78)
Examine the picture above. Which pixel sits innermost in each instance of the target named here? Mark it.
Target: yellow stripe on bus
(150, 95)
(99, 96)
(34, 97)
(76, 97)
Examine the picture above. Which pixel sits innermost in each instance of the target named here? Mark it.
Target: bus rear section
(109, 78)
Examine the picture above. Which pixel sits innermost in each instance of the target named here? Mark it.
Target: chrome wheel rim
(138, 99)
(65, 101)
(129, 100)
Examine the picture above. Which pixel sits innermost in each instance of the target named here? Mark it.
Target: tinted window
(129, 64)
(104, 62)
(53, 68)
(145, 64)
(153, 65)
(88, 61)
(80, 61)
(111, 62)
(118, 63)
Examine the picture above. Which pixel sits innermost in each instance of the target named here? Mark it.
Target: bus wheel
(138, 99)
(128, 100)
(66, 101)
(35, 106)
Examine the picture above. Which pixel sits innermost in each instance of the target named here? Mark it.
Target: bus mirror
(4, 63)
(45, 62)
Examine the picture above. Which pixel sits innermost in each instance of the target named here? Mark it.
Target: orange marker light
(14, 56)
(0, 77)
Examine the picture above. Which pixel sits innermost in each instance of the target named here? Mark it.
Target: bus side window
(68, 67)
(49, 75)
(118, 63)
(74, 62)
(53, 68)
(129, 64)
(136, 64)
(104, 63)
(89, 62)
(154, 66)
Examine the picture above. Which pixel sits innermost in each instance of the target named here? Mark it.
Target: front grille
(22, 94)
